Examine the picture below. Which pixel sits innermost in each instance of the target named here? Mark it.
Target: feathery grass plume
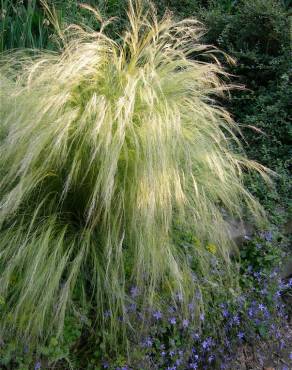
(105, 148)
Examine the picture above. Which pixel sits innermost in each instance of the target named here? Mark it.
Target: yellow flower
(211, 248)
(197, 242)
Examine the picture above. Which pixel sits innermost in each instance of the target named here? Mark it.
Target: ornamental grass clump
(105, 149)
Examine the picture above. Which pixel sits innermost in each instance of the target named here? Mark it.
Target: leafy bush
(256, 34)
(107, 149)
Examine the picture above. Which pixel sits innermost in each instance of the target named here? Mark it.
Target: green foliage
(28, 24)
(22, 25)
(23, 355)
(256, 33)
(261, 254)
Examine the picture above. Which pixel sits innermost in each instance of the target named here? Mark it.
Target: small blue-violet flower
(157, 315)
(240, 335)
(172, 320)
(134, 292)
(185, 323)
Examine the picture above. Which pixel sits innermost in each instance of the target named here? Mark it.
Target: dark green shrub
(23, 24)
(256, 33)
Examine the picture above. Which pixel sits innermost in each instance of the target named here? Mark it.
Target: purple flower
(261, 359)
(211, 358)
(191, 306)
(262, 307)
(163, 353)
(273, 274)
(185, 323)
(202, 317)
(257, 321)
(37, 366)
(140, 315)
(148, 342)
(172, 320)
(282, 285)
(290, 356)
(205, 344)
(198, 294)
(267, 235)
(171, 353)
(157, 315)
(282, 344)
(105, 365)
(134, 292)
(132, 307)
(225, 313)
(240, 335)
(193, 365)
(236, 320)
(195, 336)
(178, 362)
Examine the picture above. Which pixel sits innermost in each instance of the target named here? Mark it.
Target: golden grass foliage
(105, 147)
